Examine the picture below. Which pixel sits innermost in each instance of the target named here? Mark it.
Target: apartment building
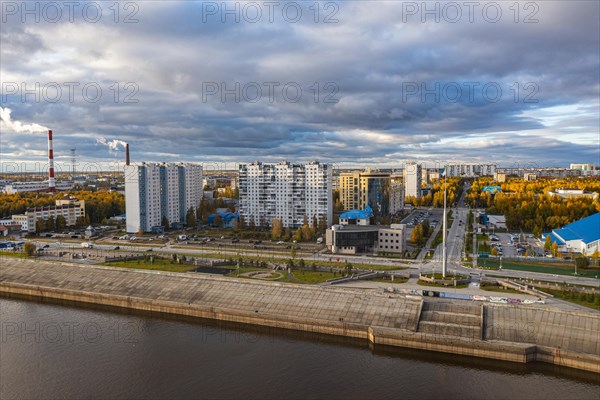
(367, 188)
(412, 180)
(285, 191)
(68, 207)
(154, 191)
(470, 170)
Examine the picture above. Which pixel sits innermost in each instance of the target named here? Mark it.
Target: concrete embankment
(520, 334)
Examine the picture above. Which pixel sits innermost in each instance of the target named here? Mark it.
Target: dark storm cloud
(393, 80)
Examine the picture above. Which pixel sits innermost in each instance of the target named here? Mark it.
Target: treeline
(307, 232)
(99, 205)
(527, 206)
(436, 197)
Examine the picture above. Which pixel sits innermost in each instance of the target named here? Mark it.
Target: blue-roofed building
(227, 219)
(491, 189)
(357, 217)
(581, 236)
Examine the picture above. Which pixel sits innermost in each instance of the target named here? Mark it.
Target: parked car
(281, 242)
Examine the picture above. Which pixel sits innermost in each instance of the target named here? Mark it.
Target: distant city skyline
(357, 84)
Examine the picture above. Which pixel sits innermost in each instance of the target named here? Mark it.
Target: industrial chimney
(51, 180)
(126, 153)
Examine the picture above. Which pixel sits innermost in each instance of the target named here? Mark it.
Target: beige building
(392, 239)
(500, 177)
(370, 187)
(572, 194)
(529, 177)
(67, 207)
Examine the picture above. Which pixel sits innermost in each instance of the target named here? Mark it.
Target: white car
(281, 242)
(528, 301)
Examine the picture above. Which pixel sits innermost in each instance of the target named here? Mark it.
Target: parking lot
(515, 245)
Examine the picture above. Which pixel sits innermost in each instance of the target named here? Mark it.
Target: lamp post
(444, 232)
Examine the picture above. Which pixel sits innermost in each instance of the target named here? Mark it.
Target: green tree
(582, 262)
(165, 222)
(51, 223)
(61, 222)
(29, 248)
(190, 217)
(293, 251)
(301, 263)
(40, 225)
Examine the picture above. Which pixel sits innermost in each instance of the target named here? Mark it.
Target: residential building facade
(154, 191)
(412, 180)
(470, 170)
(68, 207)
(285, 191)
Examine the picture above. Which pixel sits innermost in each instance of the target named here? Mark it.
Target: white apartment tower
(154, 191)
(412, 180)
(285, 191)
(470, 170)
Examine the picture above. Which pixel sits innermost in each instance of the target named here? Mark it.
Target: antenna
(73, 163)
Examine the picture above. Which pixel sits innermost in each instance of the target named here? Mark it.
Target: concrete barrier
(502, 332)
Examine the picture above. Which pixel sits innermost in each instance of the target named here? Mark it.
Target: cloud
(376, 87)
(18, 126)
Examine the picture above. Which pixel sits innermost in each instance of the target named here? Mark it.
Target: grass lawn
(591, 301)
(298, 276)
(499, 289)
(14, 254)
(312, 276)
(397, 279)
(307, 260)
(466, 285)
(157, 265)
(556, 269)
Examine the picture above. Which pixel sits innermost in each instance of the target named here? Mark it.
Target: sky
(353, 83)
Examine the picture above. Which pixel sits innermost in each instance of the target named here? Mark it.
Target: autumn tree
(306, 233)
(29, 248)
(276, 229)
(165, 222)
(548, 243)
(554, 249)
(40, 225)
(218, 221)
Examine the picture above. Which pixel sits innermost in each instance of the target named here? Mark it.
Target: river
(50, 351)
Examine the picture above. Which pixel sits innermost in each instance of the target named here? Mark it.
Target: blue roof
(553, 238)
(586, 229)
(491, 189)
(366, 213)
(225, 217)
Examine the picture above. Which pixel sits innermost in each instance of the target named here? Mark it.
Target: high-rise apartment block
(285, 191)
(470, 170)
(366, 188)
(412, 180)
(154, 191)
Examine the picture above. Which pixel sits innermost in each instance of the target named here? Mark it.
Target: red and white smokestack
(51, 180)
(126, 153)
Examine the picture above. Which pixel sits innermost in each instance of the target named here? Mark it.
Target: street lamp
(444, 232)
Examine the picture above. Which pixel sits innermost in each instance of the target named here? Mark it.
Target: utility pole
(444, 232)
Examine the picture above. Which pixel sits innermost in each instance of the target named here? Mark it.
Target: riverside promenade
(505, 332)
